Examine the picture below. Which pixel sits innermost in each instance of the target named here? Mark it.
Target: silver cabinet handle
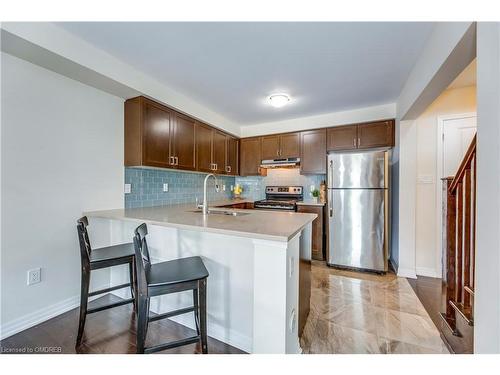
(354, 142)
(277, 152)
(359, 141)
(228, 169)
(176, 160)
(171, 160)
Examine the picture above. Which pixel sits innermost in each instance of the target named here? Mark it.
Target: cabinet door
(290, 145)
(156, 142)
(250, 156)
(231, 155)
(270, 147)
(204, 135)
(342, 138)
(183, 143)
(219, 151)
(313, 152)
(376, 134)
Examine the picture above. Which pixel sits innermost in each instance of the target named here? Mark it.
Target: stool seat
(176, 271)
(115, 252)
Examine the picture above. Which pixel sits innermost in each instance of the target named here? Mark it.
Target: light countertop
(258, 224)
(310, 202)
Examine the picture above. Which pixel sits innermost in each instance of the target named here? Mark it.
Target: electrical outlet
(223, 187)
(127, 188)
(312, 187)
(232, 187)
(34, 276)
(165, 188)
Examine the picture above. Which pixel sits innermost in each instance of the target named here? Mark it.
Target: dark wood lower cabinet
(318, 230)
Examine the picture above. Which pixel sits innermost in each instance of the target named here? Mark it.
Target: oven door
(258, 206)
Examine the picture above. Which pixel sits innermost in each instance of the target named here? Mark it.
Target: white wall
(450, 102)
(380, 112)
(62, 153)
(487, 288)
(449, 50)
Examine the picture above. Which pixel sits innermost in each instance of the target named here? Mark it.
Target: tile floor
(364, 313)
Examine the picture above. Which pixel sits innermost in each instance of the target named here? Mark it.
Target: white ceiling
(232, 67)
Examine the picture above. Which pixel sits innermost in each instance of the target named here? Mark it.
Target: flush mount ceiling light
(279, 100)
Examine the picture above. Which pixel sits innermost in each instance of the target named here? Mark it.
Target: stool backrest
(83, 237)
(142, 260)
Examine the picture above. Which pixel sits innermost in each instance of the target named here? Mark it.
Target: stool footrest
(170, 313)
(111, 305)
(107, 290)
(171, 345)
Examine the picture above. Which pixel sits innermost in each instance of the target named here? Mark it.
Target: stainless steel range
(281, 198)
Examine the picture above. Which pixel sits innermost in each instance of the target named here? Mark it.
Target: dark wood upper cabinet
(361, 136)
(290, 145)
(148, 128)
(270, 147)
(376, 134)
(183, 142)
(204, 148)
(219, 152)
(231, 155)
(281, 146)
(342, 138)
(250, 156)
(313, 152)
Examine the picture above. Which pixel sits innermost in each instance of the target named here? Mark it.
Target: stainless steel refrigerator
(358, 207)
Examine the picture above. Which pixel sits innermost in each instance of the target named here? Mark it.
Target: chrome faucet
(204, 206)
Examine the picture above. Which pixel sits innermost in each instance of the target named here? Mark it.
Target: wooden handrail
(466, 161)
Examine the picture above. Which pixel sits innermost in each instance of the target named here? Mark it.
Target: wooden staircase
(459, 242)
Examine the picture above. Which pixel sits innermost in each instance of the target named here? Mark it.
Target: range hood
(281, 163)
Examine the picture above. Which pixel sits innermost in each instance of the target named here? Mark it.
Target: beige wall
(450, 102)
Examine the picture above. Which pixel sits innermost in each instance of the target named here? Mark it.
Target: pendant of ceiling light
(279, 100)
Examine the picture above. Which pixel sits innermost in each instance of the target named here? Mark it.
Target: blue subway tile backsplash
(254, 186)
(183, 187)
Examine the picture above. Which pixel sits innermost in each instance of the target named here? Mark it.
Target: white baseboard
(39, 316)
(218, 332)
(429, 272)
(407, 272)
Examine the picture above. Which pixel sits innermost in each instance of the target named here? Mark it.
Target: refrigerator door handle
(330, 175)
(330, 202)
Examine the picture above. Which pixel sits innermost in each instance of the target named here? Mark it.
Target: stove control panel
(285, 190)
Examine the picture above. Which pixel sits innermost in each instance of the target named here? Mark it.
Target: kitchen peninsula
(253, 258)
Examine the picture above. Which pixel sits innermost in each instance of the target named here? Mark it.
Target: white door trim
(439, 186)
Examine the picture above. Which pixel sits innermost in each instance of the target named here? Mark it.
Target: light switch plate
(127, 188)
(425, 179)
(223, 187)
(165, 188)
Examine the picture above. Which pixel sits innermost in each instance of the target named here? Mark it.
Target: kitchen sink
(223, 212)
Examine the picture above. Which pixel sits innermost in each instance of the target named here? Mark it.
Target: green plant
(315, 193)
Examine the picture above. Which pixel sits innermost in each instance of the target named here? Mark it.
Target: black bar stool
(94, 259)
(165, 278)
